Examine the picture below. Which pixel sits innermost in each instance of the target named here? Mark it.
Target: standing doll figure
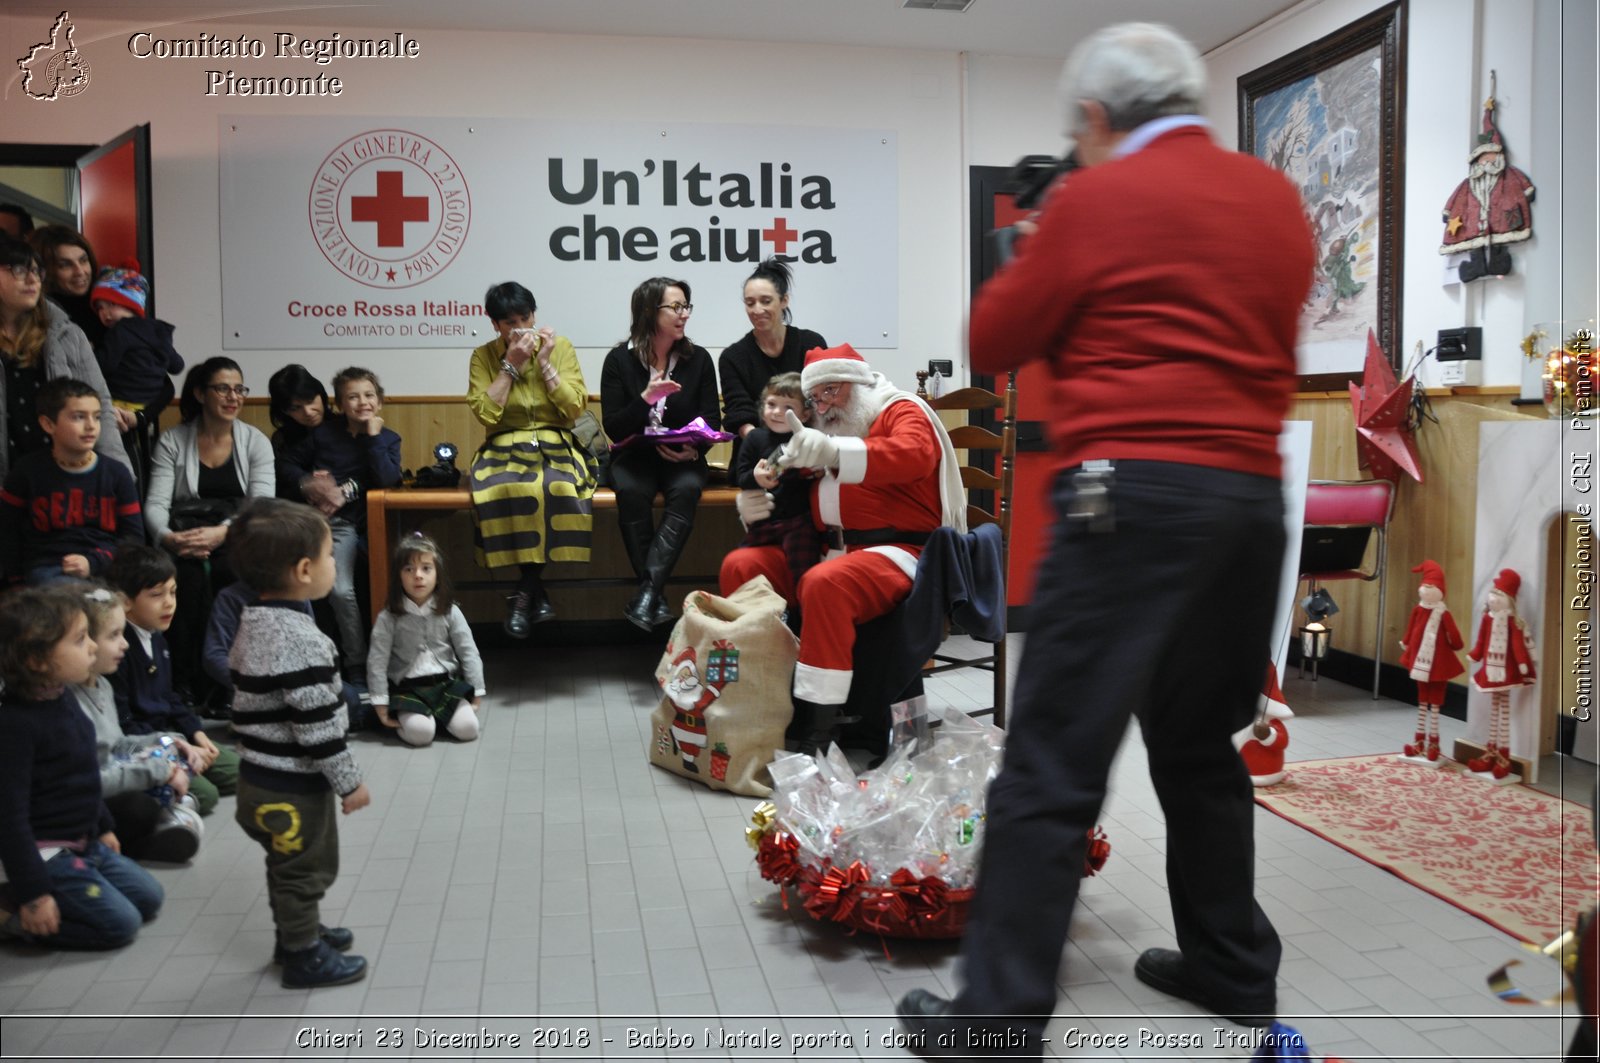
(1505, 651)
(1429, 656)
(422, 650)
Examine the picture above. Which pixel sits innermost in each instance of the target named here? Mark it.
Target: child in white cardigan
(422, 650)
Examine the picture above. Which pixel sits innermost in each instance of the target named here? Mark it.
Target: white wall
(520, 75)
(949, 111)
(1451, 47)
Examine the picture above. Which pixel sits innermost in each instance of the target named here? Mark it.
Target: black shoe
(540, 611)
(518, 621)
(663, 615)
(1165, 970)
(915, 1009)
(337, 938)
(641, 612)
(321, 966)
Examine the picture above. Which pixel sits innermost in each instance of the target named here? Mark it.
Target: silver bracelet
(510, 370)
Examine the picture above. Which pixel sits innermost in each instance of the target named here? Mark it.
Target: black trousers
(1166, 619)
(639, 473)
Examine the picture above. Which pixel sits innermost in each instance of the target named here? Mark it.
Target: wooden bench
(381, 543)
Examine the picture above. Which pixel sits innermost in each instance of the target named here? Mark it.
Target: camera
(443, 472)
(1030, 177)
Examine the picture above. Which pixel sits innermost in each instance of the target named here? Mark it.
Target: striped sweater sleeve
(288, 707)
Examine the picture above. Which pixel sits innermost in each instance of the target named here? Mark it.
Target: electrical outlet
(1460, 373)
(943, 366)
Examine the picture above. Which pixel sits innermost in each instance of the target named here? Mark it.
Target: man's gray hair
(1138, 70)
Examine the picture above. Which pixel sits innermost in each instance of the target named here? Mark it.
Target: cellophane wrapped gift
(894, 850)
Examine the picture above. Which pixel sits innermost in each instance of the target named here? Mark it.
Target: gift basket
(894, 850)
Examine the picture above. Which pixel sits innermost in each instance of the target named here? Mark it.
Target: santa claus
(689, 697)
(1493, 207)
(889, 478)
(1428, 655)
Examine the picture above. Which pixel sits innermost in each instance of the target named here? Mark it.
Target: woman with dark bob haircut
(658, 378)
(201, 473)
(296, 403)
(38, 343)
(532, 481)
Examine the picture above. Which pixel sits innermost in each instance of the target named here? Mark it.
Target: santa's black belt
(841, 538)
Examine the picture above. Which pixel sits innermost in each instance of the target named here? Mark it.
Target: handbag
(592, 438)
(190, 513)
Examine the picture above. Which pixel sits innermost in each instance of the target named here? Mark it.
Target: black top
(49, 786)
(81, 310)
(137, 357)
(221, 482)
(22, 414)
(371, 461)
(792, 496)
(744, 371)
(622, 382)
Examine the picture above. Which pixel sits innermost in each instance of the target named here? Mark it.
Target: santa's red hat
(1489, 139)
(834, 365)
(1509, 582)
(686, 655)
(1432, 574)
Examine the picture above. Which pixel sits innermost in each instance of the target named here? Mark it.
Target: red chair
(1341, 517)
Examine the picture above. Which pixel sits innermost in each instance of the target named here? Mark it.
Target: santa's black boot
(813, 728)
(1476, 265)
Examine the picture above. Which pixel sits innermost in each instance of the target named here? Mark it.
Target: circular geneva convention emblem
(390, 208)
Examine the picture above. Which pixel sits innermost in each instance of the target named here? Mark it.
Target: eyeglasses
(222, 391)
(23, 270)
(825, 394)
(677, 308)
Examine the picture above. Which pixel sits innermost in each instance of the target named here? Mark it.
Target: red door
(114, 203)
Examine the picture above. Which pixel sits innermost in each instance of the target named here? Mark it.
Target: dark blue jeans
(103, 897)
(1166, 619)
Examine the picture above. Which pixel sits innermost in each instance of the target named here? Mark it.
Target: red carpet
(1518, 859)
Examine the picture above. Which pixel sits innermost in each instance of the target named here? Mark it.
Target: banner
(362, 232)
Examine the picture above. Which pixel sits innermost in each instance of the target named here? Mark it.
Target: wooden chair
(988, 502)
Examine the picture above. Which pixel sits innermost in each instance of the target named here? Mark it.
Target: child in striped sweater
(289, 713)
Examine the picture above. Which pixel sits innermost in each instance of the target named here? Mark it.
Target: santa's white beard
(855, 417)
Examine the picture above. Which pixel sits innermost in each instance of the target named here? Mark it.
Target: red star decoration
(1383, 442)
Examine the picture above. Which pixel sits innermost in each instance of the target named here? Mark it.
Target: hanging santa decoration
(1492, 208)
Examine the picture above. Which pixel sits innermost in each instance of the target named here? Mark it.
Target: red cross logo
(391, 208)
(780, 235)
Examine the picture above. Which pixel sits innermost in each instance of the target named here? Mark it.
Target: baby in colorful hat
(136, 354)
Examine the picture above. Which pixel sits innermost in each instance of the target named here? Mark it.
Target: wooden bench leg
(378, 550)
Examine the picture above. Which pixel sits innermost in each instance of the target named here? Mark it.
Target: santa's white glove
(809, 449)
(754, 506)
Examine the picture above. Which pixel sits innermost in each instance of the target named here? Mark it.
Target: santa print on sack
(690, 697)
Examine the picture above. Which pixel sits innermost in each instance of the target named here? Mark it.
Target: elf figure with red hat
(1505, 651)
(1429, 654)
(1262, 744)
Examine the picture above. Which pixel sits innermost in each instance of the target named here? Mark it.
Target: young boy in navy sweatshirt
(63, 510)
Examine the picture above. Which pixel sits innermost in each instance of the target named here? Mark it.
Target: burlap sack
(726, 675)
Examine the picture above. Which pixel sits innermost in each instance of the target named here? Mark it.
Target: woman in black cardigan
(657, 378)
(772, 346)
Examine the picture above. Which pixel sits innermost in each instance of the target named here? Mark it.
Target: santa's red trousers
(834, 596)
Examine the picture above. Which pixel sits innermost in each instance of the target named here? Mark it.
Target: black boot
(647, 608)
(812, 728)
(539, 608)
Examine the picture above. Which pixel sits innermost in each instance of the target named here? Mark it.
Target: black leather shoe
(518, 621)
(337, 938)
(924, 1016)
(1165, 970)
(321, 966)
(540, 611)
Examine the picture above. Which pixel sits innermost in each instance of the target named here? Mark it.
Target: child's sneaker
(176, 837)
(337, 938)
(321, 966)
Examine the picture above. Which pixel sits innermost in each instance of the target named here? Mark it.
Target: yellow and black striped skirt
(531, 498)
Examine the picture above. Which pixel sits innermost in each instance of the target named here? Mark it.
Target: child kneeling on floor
(421, 644)
(66, 882)
(288, 710)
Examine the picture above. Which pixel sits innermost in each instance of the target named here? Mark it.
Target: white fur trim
(828, 499)
(823, 686)
(835, 371)
(852, 459)
(900, 556)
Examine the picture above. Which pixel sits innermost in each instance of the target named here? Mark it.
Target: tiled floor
(548, 871)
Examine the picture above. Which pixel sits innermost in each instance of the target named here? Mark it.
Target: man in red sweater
(1163, 286)
(888, 478)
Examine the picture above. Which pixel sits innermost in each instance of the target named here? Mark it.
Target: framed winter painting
(1331, 116)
